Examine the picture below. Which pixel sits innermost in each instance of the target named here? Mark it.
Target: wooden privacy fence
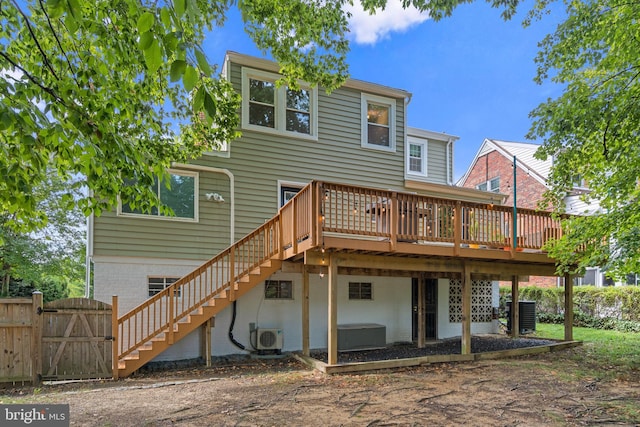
(20, 326)
(65, 339)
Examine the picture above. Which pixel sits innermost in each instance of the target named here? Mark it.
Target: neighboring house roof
(524, 152)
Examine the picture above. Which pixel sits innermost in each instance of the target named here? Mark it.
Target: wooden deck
(344, 229)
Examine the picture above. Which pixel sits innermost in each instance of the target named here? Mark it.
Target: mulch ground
(479, 344)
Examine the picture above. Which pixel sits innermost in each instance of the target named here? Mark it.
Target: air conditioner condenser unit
(269, 339)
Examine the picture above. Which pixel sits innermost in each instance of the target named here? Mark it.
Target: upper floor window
(179, 194)
(417, 157)
(493, 185)
(268, 107)
(378, 122)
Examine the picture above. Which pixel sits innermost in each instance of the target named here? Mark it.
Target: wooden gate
(76, 339)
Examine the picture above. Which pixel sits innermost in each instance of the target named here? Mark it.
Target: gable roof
(524, 152)
(271, 66)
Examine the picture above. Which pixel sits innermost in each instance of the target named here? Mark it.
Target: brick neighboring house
(492, 170)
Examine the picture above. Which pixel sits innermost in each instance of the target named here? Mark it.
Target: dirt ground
(547, 389)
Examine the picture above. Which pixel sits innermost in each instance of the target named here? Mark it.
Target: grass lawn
(607, 354)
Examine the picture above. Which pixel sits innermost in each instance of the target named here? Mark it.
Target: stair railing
(218, 276)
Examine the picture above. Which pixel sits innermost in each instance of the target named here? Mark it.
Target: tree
(592, 131)
(115, 90)
(51, 258)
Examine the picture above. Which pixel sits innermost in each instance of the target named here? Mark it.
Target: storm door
(430, 307)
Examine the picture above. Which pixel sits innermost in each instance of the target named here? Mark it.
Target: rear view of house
(330, 223)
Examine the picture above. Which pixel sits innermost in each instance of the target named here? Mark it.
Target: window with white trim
(417, 158)
(178, 193)
(158, 284)
(493, 185)
(378, 122)
(267, 107)
(360, 290)
(278, 289)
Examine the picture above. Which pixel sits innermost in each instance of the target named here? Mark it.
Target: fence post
(36, 337)
(114, 333)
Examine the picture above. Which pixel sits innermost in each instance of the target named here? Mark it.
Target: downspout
(232, 206)
(88, 257)
(407, 101)
(449, 155)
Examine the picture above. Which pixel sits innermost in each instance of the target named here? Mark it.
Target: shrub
(613, 308)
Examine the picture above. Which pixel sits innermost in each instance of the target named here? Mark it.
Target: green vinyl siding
(437, 161)
(165, 238)
(257, 161)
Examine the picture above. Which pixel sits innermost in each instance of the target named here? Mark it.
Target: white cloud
(369, 29)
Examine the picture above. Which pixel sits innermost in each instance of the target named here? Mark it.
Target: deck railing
(348, 211)
(406, 217)
(163, 310)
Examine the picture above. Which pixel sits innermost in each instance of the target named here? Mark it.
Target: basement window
(278, 289)
(360, 291)
(158, 284)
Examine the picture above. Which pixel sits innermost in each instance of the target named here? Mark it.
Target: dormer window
(378, 122)
(270, 108)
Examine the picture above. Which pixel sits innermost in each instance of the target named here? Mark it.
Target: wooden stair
(144, 332)
(161, 341)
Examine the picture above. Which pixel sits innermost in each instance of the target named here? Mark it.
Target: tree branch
(55, 35)
(35, 39)
(34, 80)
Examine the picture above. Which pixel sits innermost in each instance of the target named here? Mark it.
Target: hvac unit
(361, 336)
(268, 339)
(526, 315)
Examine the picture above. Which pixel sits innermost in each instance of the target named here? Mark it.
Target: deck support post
(305, 311)
(422, 342)
(515, 307)
(466, 311)
(332, 339)
(568, 307)
(205, 341)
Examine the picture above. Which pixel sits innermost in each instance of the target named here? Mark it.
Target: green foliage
(53, 255)
(113, 91)
(592, 131)
(52, 289)
(613, 308)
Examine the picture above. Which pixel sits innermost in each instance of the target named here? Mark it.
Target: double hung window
(269, 107)
(378, 122)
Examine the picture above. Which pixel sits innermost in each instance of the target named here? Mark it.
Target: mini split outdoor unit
(268, 339)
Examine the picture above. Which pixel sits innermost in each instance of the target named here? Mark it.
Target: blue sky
(471, 75)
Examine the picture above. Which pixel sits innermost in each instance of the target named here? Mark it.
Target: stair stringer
(161, 342)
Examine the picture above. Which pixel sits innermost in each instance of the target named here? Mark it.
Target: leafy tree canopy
(593, 130)
(51, 258)
(115, 90)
